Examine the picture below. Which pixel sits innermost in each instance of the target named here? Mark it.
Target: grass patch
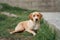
(9, 23)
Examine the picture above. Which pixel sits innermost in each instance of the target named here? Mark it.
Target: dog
(30, 25)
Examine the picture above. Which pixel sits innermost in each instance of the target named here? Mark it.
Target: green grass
(9, 23)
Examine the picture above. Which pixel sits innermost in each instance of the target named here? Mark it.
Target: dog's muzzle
(36, 19)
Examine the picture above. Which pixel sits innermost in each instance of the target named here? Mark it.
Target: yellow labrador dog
(30, 25)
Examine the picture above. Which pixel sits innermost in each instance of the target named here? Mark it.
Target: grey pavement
(53, 18)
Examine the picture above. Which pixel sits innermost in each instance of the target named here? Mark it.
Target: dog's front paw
(34, 34)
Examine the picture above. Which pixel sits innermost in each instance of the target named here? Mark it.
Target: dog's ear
(40, 15)
(30, 16)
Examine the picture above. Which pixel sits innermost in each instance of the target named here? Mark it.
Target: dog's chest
(36, 26)
(33, 25)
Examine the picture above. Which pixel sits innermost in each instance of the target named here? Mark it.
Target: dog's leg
(31, 31)
(13, 32)
(17, 29)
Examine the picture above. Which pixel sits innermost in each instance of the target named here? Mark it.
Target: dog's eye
(33, 15)
(38, 15)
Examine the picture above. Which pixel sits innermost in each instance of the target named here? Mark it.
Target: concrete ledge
(53, 19)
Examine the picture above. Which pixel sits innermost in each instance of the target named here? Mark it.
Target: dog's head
(35, 16)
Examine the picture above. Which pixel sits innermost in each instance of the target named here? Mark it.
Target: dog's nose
(36, 19)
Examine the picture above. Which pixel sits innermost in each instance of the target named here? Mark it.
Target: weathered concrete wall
(42, 5)
(53, 19)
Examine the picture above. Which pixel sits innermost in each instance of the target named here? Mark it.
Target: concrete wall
(53, 19)
(42, 5)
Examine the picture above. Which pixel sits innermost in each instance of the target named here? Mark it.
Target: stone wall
(42, 5)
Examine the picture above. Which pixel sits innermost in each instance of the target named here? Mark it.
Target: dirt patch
(9, 14)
